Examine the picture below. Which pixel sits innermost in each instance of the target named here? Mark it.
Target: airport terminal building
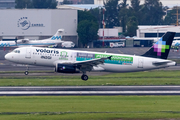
(38, 23)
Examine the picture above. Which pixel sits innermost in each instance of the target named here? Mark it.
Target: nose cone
(7, 56)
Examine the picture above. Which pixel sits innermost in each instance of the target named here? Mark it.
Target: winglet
(109, 57)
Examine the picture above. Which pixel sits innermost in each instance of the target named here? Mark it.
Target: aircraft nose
(7, 56)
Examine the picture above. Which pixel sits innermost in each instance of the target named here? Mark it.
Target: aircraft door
(28, 52)
(73, 56)
(140, 63)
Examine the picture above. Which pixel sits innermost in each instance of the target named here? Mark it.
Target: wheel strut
(26, 72)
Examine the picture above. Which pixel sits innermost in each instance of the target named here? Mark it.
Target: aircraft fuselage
(118, 63)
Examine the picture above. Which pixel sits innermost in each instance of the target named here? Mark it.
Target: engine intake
(62, 68)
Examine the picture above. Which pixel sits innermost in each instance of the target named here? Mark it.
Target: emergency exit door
(140, 63)
(28, 52)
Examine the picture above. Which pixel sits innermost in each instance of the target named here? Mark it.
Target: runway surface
(90, 90)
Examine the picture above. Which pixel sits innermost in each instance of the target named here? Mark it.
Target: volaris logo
(56, 37)
(160, 47)
(47, 51)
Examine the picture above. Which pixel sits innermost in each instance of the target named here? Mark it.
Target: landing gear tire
(84, 77)
(26, 72)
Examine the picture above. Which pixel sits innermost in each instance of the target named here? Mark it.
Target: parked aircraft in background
(72, 61)
(54, 40)
(176, 43)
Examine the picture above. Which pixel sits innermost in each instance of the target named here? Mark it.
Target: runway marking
(90, 90)
(58, 113)
(84, 92)
(121, 52)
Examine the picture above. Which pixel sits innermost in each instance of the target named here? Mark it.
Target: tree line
(130, 16)
(152, 12)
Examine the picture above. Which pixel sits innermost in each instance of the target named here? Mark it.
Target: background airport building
(156, 31)
(38, 23)
(7, 4)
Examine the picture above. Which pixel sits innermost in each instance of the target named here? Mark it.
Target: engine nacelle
(22, 41)
(62, 68)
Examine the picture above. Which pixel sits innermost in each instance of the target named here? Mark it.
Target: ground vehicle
(67, 44)
(117, 44)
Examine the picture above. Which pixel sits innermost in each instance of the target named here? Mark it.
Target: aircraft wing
(88, 64)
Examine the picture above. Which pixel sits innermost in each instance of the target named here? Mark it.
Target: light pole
(103, 29)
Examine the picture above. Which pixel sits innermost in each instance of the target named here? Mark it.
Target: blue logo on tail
(56, 37)
(4, 44)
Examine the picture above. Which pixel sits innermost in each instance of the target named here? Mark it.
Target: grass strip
(157, 77)
(89, 107)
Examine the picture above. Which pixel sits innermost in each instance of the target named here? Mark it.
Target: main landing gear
(84, 76)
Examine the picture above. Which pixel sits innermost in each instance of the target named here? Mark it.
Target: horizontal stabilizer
(161, 63)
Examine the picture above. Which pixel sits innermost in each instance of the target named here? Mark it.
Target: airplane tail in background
(58, 35)
(162, 47)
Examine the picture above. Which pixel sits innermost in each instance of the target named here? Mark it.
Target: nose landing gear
(26, 72)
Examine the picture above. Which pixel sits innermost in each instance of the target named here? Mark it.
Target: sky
(169, 3)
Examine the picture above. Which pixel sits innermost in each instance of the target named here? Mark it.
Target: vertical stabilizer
(58, 35)
(162, 47)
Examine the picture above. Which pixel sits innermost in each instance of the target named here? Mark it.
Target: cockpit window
(16, 51)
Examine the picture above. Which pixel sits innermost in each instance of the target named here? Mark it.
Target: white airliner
(54, 40)
(176, 43)
(72, 61)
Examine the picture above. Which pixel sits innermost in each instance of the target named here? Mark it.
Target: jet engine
(20, 41)
(64, 68)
